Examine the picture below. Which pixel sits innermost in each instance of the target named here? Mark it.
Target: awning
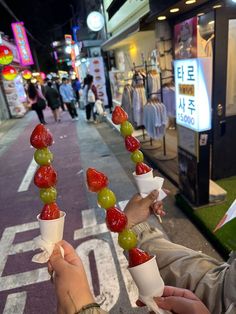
(134, 28)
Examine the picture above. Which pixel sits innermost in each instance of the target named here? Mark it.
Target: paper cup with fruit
(143, 174)
(145, 273)
(142, 266)
(51, 219)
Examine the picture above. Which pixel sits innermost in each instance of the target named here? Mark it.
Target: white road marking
(90, 223)
(24, 279)
(25, 183)
(89, 218)
(15, 303)
(106, 270)
(90, 231)
(130, 286)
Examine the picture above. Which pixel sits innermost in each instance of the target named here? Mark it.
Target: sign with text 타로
(22, 43)
(193, 79)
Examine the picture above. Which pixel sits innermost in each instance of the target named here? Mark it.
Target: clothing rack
(164, 156)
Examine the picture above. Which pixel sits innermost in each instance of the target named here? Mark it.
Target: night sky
(47, 20)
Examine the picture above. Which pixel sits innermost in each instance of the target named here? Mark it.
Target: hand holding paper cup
(147, 278)
(146, 183)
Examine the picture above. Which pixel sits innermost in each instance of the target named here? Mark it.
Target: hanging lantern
(26, 74)
(6, 55)
(9, 72)
(43, 75)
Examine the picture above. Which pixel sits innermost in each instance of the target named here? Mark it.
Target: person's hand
(139, 209)
(69, 277)
(180, 301)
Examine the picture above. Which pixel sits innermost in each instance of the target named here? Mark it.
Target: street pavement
(24, 285)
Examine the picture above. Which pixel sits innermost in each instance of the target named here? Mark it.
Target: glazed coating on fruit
(45, 177)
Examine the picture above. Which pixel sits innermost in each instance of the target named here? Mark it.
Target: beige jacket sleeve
(212, 281)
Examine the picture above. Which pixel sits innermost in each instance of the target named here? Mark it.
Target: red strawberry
(131, 143)
(116, 220)
(96, 180)
(138, 257)
(142, 168)
(45, 177)
(119, 115)
(49, 138)
(50, 211)
(41, 137)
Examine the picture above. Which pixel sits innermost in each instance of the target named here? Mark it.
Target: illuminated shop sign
(193, 80)
(22, 43)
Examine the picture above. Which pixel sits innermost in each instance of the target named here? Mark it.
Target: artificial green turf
(208, 217)
(211, 215)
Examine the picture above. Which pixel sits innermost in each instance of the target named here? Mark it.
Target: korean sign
(22, 43)
(193, 78)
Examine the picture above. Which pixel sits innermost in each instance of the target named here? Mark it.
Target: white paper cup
(148, 185)
(148, 279)
(147, 175)
(52, 230)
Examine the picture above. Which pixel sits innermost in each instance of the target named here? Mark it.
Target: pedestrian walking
(77, 87)
(91, 96)
(68, 98)
(57, 86)
(37, 102)
(53, 100)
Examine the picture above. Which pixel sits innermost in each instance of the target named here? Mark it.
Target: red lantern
(6, 55)
(9, 72)
(43, 75)
(26, 74)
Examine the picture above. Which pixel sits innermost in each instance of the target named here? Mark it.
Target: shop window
(231, 71)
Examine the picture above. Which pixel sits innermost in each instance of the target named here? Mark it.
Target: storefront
(14, 96)
(177, 30)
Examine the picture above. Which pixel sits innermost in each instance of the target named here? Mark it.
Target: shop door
(224, 95)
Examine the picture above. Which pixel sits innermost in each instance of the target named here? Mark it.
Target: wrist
(79, 299)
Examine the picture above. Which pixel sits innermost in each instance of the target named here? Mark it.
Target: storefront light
(211, 22)
(174, 10)
(190, 1)
(161, 18)
(217, 6)
(200, 14)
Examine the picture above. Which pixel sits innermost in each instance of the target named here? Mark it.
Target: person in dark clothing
(57, 85)
(91, 96)
(76, 86)
(34, 97)
(53, 100)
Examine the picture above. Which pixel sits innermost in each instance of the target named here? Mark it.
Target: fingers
(158, 209)
(178, 292)
(70, 254)
(148, 200)
(56, 260)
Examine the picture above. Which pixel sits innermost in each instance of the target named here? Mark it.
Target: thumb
(177, 305)
(148, 200)
(56, 260)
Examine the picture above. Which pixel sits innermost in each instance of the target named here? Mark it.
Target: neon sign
(22, 43)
